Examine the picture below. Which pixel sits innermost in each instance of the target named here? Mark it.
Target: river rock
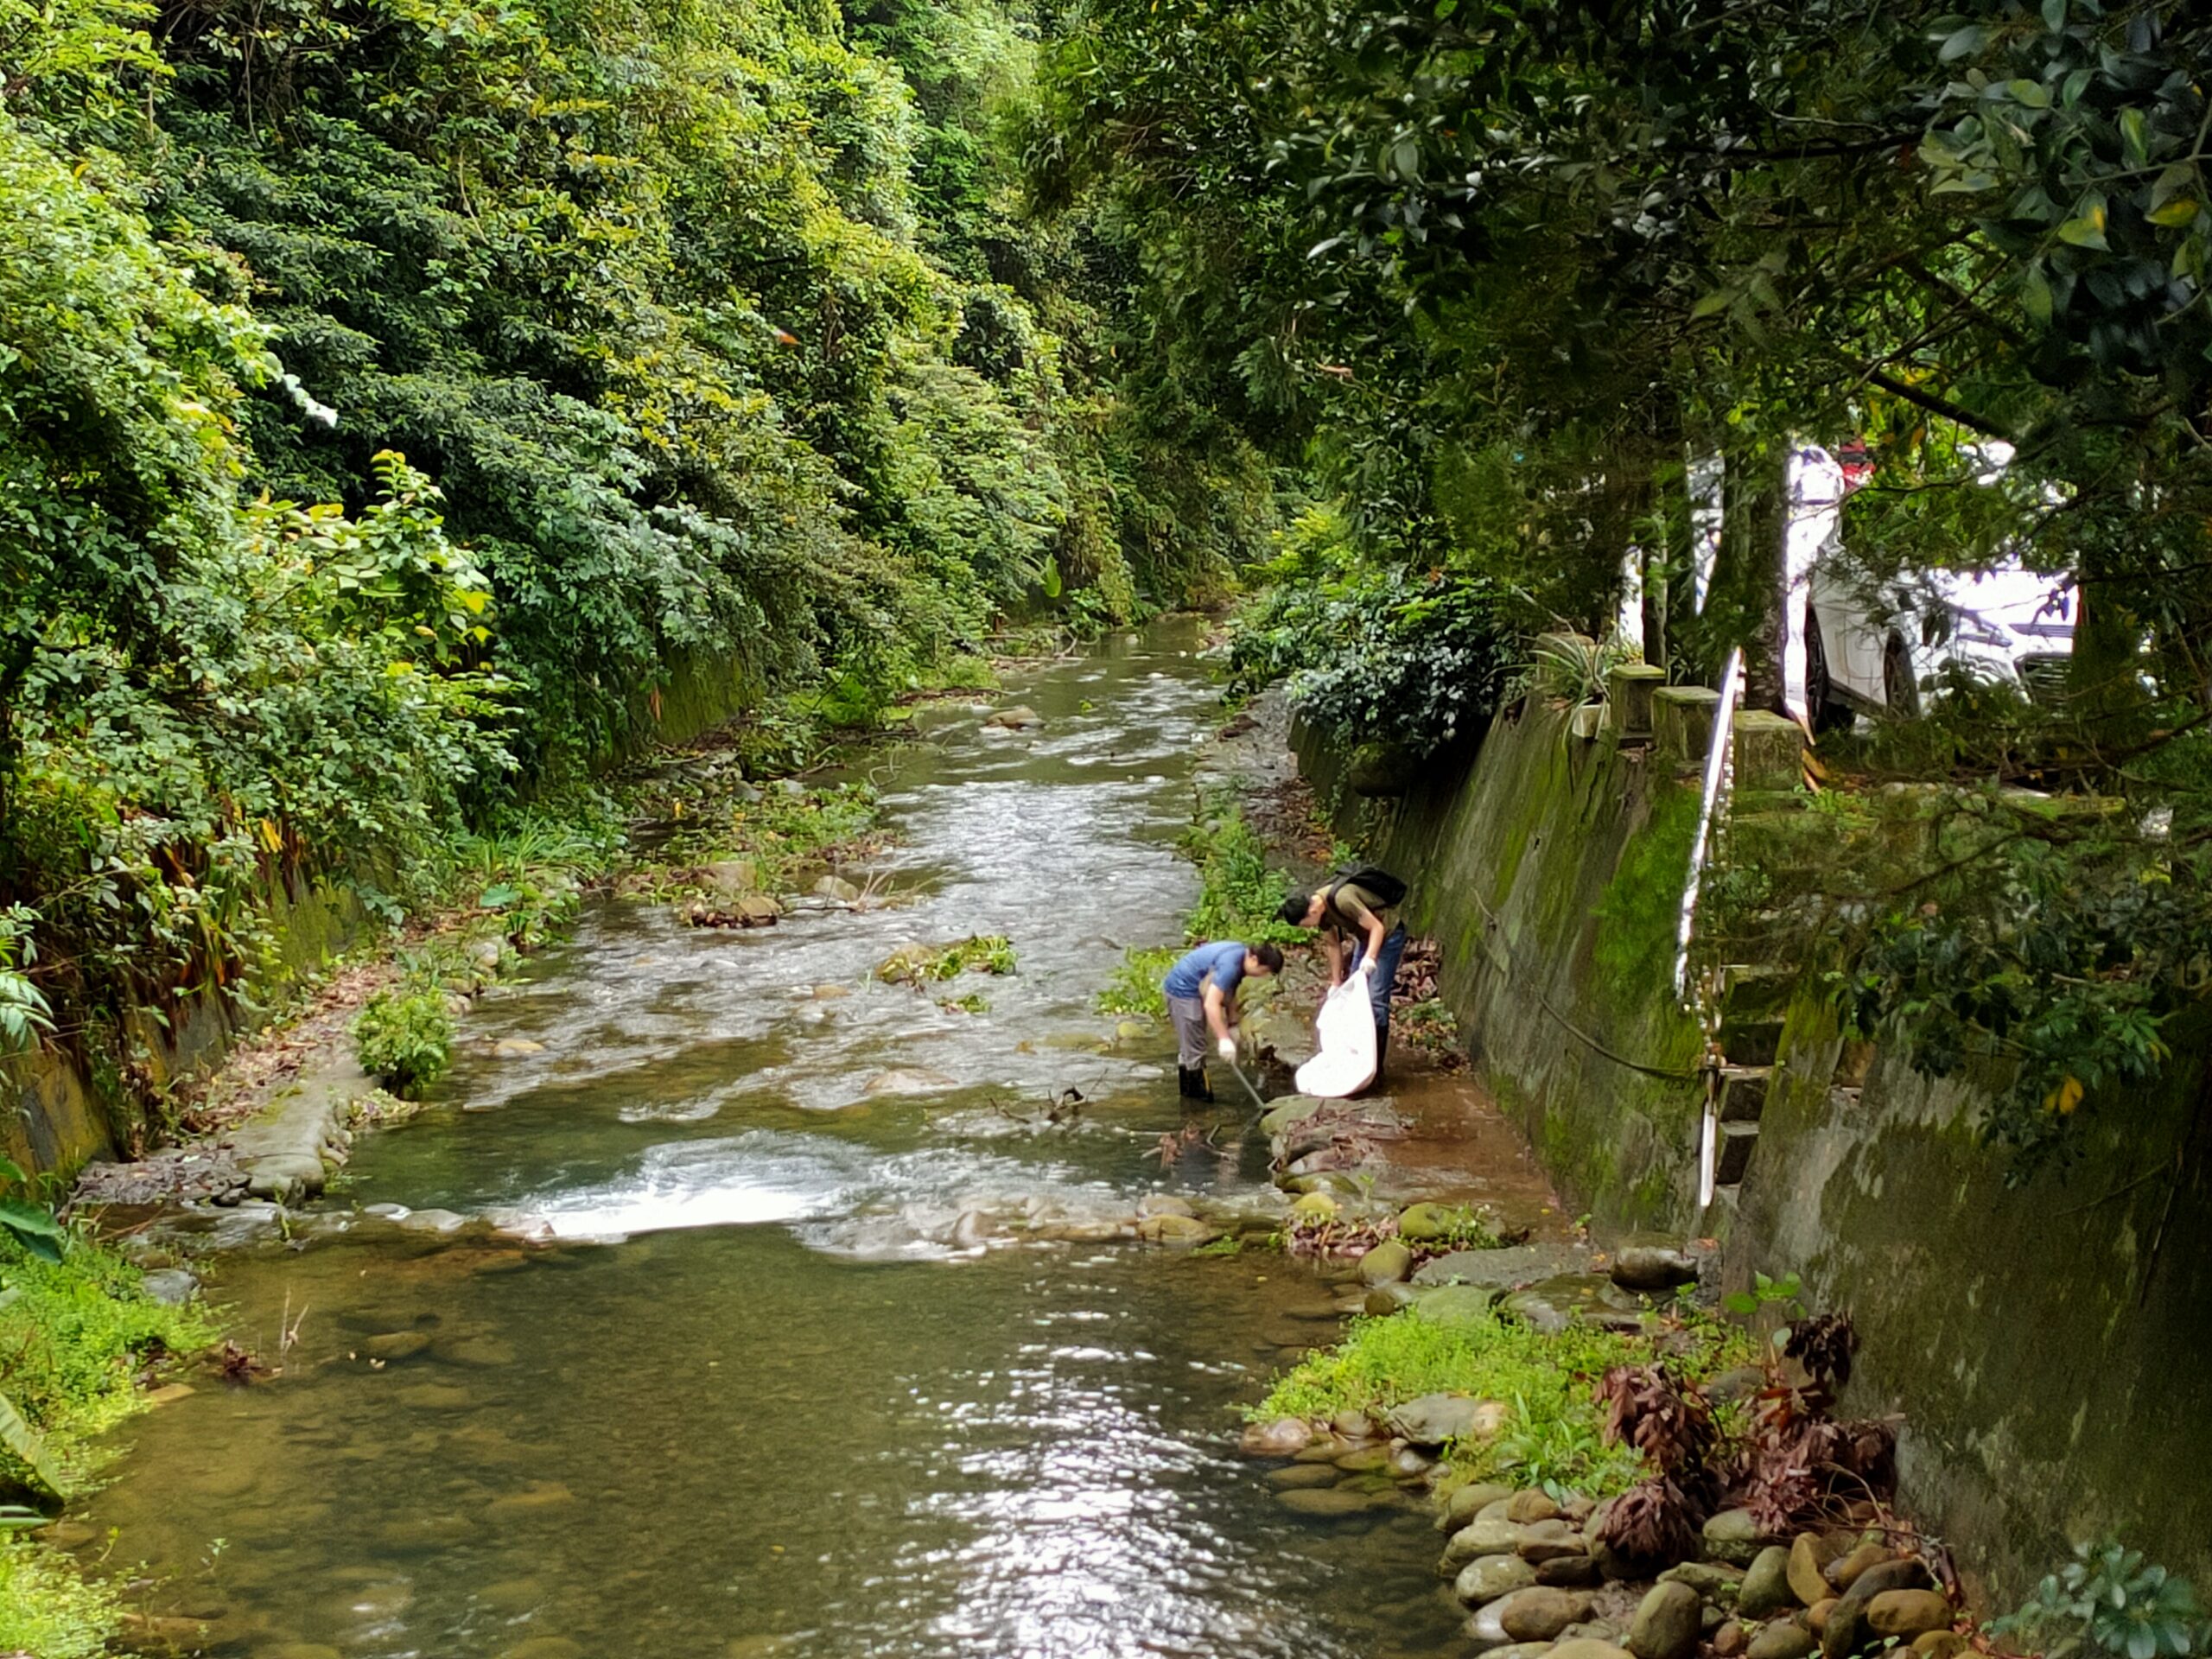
(1426, 1222)
(1549, 1539)
(1908, 1613)
(1816, 1615)
(393, 1346)
(733, 876)
(1811, 1554)
(1486, 1537)
(1784, 1638)
(1576, 1572)
(1845, 1630)
(1666, 1622)
(171, 1287)
(1386, 1264)
(1732, 1536)
(1486, 1631)
(970, 1228)
(1515, 1264)
(1182, 1230)
(1284, 1437)
(1303, 1477)
(1385, 1299)
(1469, 1501)
(1539, 1615)
(836, 888)
(1452, 1304)
(908, 1080)
(1018, 718)
(1713, 1581)
(1845, 1573)
(1730, 1641)
(1432, 1419)
(476, 1352)
(1531, 1505)
(1587, 1647)
(1766, 1589)
(1488, 1577)
(1332, 1503)
(1164, 1203)
(1364, 1459)
(1518, 1650)
(1651, 1267)
(1940, 1644)
(515, 1048)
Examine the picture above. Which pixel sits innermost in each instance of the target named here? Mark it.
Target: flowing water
(797, 1374)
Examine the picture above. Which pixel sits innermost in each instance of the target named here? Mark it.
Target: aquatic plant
(404, 1039)
(918, 965)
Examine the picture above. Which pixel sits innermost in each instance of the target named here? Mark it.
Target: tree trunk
(1750, 583)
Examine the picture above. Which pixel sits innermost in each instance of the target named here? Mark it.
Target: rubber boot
(1381, 1055)
(1191, 1083)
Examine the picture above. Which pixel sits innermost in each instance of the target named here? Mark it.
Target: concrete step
(1743, 1092)
(1737, 1140)
(1755, 991)
(1749, 1042)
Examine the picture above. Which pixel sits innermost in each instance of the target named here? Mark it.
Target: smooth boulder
(1906, 1614)
(1489, 1577)
(1669, 1622)
(1539, 1615)
(1766, 1589)
(1432, 1419)
(1386, 1264)
(1785, 1638)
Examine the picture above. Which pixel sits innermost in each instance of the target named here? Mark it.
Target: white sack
(1345, 1030)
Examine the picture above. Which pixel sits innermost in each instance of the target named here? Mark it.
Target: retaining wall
(2046, 1342)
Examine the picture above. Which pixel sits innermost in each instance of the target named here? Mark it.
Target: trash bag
(1345, 1030)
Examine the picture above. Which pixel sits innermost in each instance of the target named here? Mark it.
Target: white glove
(1227, 1047)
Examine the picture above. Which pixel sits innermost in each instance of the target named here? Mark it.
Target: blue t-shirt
(1222, 961)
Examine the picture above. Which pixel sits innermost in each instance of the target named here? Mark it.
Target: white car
(1857, 646)
(1877, 652)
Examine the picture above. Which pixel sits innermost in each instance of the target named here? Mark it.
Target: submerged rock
(1285, 1437)
(1332, 1502)
(172, 1286)
(1018, 718)
(908, 1080)
(836, 888)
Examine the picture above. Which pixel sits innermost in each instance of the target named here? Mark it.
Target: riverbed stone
(1845, 1630)
(1434, 1418)
(1811, 1554)
(1711, 1579)
(1652, 1267)
(393, 1346)
(1908, 1613)
(1469, 1501)
(1730, 1641)
(1332, 1503)
(436, 1396)
(172, 1286)
(432, 1221)
(1184, 1232)
(1539, 1614)
(1845, 1572)
(1576, 1572)
(1364, 1459)
(1486, 1631)
(1666, 1625)
(1386, 1300)
(474, 1352)
(1353, 1425)
(1816, 1615)
(1766, 1589)
(1304, 1477)
(1732, 1536)
(1940, 1644)
(1587, 1647)
(1782, 1638)
(837, 888)
(1386, 1264)
(1452, 1304)
(908, 1080)
(1283, 1437)
(1548, 1540)
(1531, 1504)
(516, 1048)
(1486, 1537)
(1488, 1577)
(1515, 1264)
(1020, 717)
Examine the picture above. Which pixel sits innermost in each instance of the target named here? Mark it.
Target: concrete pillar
(1629, 690)
(1681, 721)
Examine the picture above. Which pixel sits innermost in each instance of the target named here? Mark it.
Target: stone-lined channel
(767, 1392)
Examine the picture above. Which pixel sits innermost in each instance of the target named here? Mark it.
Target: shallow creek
(765, 1393)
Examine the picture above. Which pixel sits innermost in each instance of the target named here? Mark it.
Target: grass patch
(75, 1337)
(1135, 988)
(48, 1610)
(1554, 1436)
(925, 964)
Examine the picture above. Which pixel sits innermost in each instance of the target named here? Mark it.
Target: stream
(805, 1369)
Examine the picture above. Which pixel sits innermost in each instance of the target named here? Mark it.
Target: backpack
(1377, 881)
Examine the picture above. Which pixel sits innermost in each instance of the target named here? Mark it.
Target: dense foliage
(618, 348)
(1511, 284)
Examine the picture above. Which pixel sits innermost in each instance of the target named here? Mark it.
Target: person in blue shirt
(1202, 996)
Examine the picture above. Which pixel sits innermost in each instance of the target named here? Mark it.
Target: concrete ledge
(1769, 751)
(1681, 721)
(287, 1150)
(1628, 691)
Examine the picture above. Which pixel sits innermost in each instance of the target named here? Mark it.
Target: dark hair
(1293, 914)
(1269, 957)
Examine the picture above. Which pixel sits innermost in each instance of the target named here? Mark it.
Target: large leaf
(35, 1228)
(20, 1437)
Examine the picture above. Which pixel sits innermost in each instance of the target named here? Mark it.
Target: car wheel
(1900, 689)
(1827, 713)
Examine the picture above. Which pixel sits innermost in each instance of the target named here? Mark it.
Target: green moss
(1639, 915)
(1554, 1435)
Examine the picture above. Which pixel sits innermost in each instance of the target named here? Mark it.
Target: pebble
(1539, 1615)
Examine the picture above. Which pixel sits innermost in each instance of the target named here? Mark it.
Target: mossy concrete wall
(62, 1105)
(2045, 1341)
(1550, 870)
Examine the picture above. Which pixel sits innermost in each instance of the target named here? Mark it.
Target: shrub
(405, 1039)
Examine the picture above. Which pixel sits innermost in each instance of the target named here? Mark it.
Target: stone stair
(1752, 1000)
